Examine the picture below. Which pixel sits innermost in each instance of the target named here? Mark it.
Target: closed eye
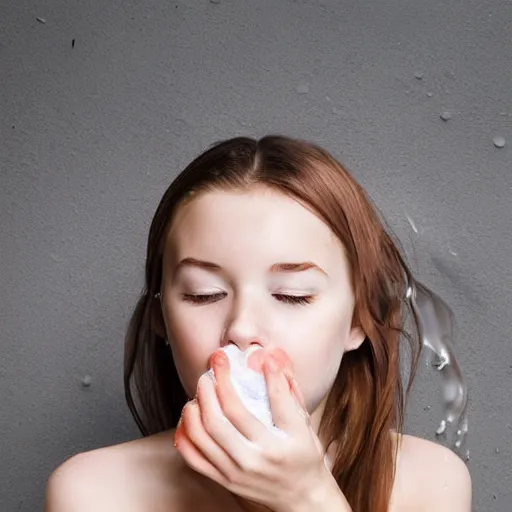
(288, 299)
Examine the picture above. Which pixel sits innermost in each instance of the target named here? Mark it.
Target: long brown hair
(367, 399)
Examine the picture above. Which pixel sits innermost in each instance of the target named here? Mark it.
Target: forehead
(251, 223)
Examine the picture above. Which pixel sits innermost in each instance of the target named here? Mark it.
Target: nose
(242, 340)
(244, 328)
(248, 326)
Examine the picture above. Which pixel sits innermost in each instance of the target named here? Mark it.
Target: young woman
(268, 243)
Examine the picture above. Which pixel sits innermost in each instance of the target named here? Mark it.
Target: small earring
(157, 295)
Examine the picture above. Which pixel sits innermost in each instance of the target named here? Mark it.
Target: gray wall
(92, 135)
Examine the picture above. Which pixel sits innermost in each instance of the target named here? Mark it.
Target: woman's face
(231, 275)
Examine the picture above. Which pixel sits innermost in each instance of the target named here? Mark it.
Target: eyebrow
(275, 268)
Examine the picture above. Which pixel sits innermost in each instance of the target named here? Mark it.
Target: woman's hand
(218, 437)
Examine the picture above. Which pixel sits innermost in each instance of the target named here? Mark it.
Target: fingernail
(220, 358)
(273, 364)
(280, 356)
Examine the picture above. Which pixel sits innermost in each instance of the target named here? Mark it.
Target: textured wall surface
(92, 133)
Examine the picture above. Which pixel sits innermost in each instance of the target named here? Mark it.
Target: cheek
(316, 353)
(316, 370)
(192, 344)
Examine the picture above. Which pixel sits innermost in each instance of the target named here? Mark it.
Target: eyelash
(294, 300)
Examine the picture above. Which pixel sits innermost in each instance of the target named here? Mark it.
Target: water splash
(436, 322)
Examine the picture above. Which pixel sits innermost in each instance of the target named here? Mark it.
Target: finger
(195, 458)
(287, 366)
(231, 404)
(284, 405)
(220, 428)
(295, 389)
(194, 430)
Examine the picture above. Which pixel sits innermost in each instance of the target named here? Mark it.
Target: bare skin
(148, 474)
(245, 288)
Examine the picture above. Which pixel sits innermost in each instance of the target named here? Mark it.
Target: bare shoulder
(140, 475)
(430, 478)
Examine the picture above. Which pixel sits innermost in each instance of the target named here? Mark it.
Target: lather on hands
(245, 457)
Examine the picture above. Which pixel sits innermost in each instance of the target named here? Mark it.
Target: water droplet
(466, 456)
(215, 1)
(451, 251)
(427, 408)
(499, 141)
(497, 451)
(86, 381)
(418, 75)
(302, 88)
(41, 20)
(429, 94)
(441, 429)
(445, 116)
(412, 223)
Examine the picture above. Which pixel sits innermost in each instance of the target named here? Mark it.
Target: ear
(157, 324)
(354, 339)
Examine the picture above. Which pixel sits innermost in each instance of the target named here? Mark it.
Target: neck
(248, 505)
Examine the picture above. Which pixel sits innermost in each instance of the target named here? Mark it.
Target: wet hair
(368, 397)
